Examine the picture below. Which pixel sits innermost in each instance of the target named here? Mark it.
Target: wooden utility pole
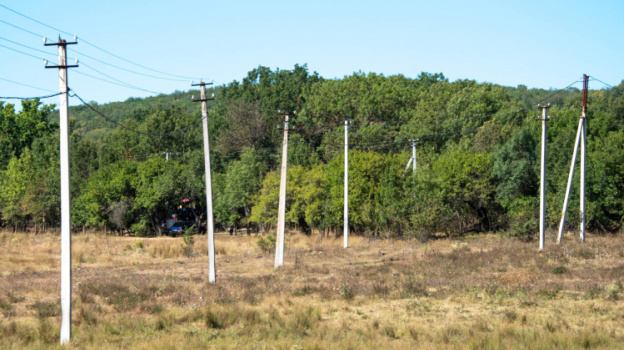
(543, 178)
(209, 217)
(66, 280)
(281, 211)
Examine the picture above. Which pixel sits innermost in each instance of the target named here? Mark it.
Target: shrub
(560, 270)
(346, 291)
(267, 245)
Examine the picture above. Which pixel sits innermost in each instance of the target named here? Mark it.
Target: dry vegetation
(483, 292)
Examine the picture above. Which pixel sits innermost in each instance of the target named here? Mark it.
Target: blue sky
(545, 44)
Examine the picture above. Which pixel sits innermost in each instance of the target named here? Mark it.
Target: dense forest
(478, 157)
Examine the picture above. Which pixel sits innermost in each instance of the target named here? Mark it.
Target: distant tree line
(478, 157)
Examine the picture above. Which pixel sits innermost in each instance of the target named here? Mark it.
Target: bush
(267, 245)
(560, 270)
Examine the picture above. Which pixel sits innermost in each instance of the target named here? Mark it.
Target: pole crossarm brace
(202, 84)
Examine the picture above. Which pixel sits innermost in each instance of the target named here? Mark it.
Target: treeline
(478, 157)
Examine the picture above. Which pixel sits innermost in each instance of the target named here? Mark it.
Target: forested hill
(478, 156)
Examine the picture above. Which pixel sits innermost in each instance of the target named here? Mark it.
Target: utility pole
(580, 135)
(412, 160)
(209, 216)
(583, 147)
(543, 178)
(66, 280)
(281, 211)
(346, 185)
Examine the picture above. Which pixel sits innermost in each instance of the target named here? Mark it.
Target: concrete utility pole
(583, 146)
(209, 217)
(543, 178)
(412, 160)
(66, 280)
(580, 135)
(346, 186)
(281, 211)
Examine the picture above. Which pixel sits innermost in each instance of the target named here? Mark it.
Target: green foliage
(478, 157)
(189, 241)
(267, 245)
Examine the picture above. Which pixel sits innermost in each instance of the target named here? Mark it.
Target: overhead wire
(88, 105)
(26, 85)
(90, 44)
(26, 46)
(22, 52)
(20, 28)
(119, 81)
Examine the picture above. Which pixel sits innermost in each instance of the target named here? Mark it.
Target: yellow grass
(482, 292)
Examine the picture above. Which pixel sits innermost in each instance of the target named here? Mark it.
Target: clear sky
(544, 44)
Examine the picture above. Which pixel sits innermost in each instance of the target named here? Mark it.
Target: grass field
(482, 292)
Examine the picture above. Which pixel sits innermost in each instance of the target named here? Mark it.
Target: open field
(483, 292)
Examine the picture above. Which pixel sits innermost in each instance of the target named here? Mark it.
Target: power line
(26, 85)
(127, 70)
(34, 20)
(20, 28)
(28, 47)
(29, 98)
(86, 42)
(130, 129)
(600, 81)
(23, 53)
(117, 80)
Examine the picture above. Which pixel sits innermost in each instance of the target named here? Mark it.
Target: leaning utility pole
(66, 280)
(346, 185)
(543, 177)
(580, 135)
(209, 217)
(281, 211)
(412, 160)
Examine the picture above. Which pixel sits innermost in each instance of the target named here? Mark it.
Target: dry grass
(483, 292)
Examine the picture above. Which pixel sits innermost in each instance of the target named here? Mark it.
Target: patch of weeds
(15, 299)
(189, 241)
(550, 293)
(212, 321)
(45, 309)
(510, 316)
(86, 315)
(305, 290)
(267, 245)
(138, 245)
(586, 254)
(413, 287)
(592, 292)
(381, 289)
(390, 332)
(7, 309)
(47, 332)
(614, 290)
(128, 246)
(560, 270)
(346, 291)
